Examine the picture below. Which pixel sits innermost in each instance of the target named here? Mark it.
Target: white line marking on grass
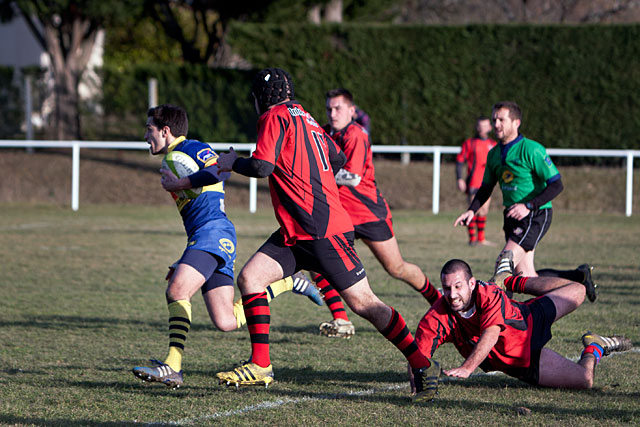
(271, 404)
(279, 402)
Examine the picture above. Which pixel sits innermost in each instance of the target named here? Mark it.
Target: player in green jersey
(529, 181)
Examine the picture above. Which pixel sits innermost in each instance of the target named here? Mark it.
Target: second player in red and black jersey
(367, 208)
(363, 201)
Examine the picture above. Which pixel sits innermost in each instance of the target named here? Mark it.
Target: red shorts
(334, 257)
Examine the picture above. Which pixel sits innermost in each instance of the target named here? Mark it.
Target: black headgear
(271, 86)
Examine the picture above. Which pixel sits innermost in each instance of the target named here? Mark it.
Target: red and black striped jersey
(303, 188)
(474, 153)
(492, 307)
(364, 202)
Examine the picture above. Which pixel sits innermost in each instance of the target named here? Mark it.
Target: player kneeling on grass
(495, 333)
(207, 262)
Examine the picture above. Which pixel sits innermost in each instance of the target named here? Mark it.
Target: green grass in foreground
(83, 302)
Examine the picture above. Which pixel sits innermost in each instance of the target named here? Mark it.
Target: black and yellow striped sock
(179, 324)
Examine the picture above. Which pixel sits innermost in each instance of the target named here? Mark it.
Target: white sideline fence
(435, 150)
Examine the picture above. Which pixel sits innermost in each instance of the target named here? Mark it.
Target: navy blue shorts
(208, 265)
(543, 314)
(528, 231)
(334, 257)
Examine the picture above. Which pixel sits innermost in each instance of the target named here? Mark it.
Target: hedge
(578, 86)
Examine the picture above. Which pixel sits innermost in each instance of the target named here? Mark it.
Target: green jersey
(523, 169)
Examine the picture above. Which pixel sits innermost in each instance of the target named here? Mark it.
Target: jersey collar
(504, 149)
(175, 143)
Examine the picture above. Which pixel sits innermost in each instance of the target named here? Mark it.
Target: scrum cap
(271, 86)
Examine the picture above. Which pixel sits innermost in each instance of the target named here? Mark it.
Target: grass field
(83, 302)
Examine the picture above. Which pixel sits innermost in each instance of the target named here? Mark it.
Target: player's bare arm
(487, 340)
(170, 182)
(226, 160)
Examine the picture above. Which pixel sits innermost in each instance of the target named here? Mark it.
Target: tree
(67, 32)
(200, 26)
(523, 11)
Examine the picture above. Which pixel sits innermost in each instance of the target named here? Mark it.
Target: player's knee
(578, 293)
(396, 270)
(225, 325)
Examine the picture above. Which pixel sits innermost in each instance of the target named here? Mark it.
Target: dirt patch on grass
(131, 177)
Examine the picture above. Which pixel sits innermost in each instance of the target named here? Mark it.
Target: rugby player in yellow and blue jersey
(208, 260)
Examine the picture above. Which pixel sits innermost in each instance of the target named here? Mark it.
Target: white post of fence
(75, 176)
(436, 181)
(253, 191)
(153, 92)
(28, 111)
(629, 203)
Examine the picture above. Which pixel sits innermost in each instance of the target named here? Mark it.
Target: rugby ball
(182, 165)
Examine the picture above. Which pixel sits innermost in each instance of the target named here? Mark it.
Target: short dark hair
(482, 119)
(170, 115)
(334, 93)
(515, 113)
(455, 265)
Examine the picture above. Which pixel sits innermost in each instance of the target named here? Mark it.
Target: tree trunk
(333, 11)
(313, 14)
(69, 51)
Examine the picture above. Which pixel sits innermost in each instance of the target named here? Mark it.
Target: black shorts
(543, 314)
(333, 257)
(377, 231)
(207, 264)
(528, 231)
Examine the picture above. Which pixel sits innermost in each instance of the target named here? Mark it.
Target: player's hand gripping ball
(182, 165)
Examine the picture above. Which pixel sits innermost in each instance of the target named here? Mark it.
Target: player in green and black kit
(529, 181)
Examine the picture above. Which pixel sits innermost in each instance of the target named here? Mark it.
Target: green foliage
(426, 85)
(217, 101)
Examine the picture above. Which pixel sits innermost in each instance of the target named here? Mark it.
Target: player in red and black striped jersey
(473, 154)
(315, 230)
(368, 209)
(495, 333)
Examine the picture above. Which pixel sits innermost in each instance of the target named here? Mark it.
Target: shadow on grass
(80, 322)
(12, 420)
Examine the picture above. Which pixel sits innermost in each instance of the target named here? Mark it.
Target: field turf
(83, 302)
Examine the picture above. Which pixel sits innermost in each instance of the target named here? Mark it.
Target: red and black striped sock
(398, 333)
(331, 297)
(481, 222)
(471, 228)
(256, 309)
(430, 293)
(515, 284)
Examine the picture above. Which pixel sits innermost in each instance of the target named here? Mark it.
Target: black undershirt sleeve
(206, 176)
(337, 161)
(483, 194)
(254, 168)
(548, 194)
(459, 169)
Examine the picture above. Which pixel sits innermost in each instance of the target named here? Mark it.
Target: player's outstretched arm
(464, 219)
(226, 160)
(487, 340)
